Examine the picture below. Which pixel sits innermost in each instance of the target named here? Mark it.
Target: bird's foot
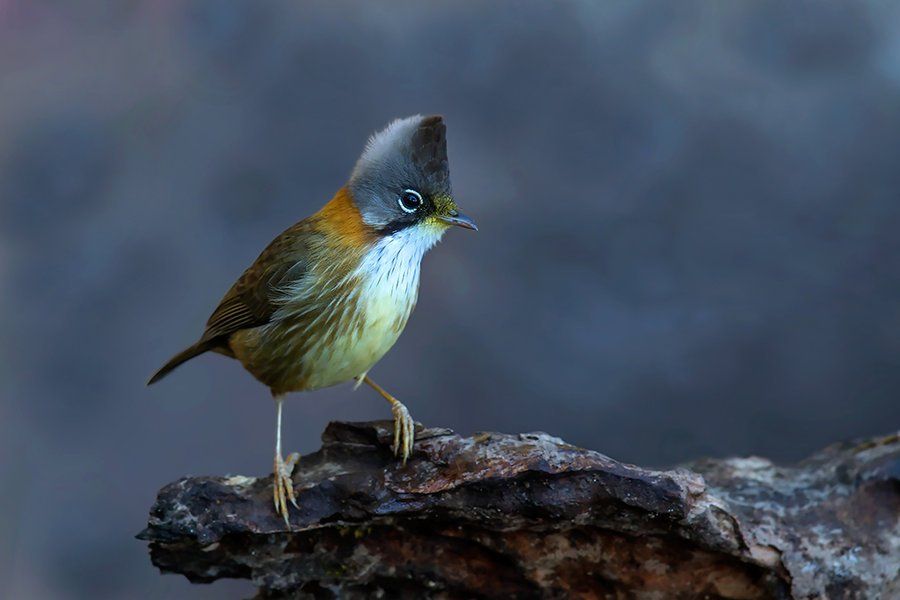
(404, 426)
(283, 485)
(404, 431)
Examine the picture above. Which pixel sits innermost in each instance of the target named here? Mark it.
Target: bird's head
(401, 183)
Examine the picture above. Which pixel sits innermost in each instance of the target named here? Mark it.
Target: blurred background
(689, 241)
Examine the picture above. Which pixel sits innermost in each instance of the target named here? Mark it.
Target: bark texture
(529, 516)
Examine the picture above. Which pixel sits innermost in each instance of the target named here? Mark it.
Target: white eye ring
(402, 204)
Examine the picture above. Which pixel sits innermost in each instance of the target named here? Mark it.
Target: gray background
(689, 237)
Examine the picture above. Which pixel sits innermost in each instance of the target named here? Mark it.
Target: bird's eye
(410, 201)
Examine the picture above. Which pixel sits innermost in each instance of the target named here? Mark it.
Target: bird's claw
(283, 485)
(404, 431)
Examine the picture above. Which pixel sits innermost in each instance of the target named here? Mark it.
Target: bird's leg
(404, 426)
(281, 478)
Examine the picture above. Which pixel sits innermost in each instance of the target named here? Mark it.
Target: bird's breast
(379, 306)
(338, 328)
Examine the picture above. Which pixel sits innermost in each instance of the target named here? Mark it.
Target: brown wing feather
(250, 301)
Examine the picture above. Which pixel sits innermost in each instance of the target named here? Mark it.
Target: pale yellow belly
(307, 354)
(350, 355)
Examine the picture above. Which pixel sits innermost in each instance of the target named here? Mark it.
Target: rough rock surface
(529, 516)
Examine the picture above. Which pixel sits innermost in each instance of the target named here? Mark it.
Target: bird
(329, 296)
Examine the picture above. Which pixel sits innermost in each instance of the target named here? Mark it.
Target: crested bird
(330, 295)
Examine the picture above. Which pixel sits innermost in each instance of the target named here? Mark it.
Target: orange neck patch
(342, 223)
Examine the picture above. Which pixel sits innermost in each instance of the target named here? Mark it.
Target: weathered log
(529, 516)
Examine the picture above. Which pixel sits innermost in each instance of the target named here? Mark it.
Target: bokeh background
(689, 237)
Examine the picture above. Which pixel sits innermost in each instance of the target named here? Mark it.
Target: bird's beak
(460, 220)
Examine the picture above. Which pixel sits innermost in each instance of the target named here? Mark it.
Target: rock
(529, 516)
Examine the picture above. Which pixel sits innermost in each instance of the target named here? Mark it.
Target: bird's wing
(251, 301)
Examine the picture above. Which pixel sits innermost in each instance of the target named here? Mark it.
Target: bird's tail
(183, 356)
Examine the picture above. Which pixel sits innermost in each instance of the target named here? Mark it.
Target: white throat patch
(390, 269)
